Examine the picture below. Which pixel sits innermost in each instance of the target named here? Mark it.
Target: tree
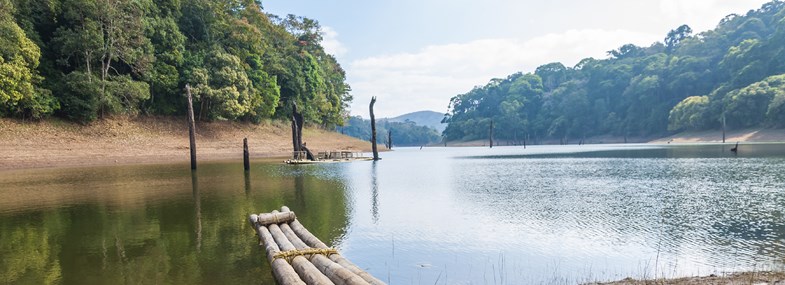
(689, 114)
(749, 106)
(626, 51)
(110, 32)
(676, 36)
(20, 93)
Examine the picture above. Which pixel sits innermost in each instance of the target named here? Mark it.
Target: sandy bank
(745, 135)
(55, 143)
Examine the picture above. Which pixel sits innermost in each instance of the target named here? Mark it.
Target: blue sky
(416, 55)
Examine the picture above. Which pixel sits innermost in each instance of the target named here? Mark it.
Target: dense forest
(405, 133)
(733, 75)
(87, 59)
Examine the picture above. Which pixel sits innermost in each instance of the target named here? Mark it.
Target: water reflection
(375, 194)
(247, 175)
(463, 215)
(152, 224)
(197, 209)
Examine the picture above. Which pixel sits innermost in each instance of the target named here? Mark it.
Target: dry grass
(56, 143)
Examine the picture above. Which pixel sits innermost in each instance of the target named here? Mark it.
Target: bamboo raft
(298, 257)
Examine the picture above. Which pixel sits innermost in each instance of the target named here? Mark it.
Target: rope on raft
(289, 254)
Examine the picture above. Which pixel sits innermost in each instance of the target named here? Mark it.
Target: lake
(507, 215)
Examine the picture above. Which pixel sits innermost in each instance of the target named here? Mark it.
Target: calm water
(507, 215)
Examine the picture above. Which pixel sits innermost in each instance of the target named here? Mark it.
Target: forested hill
(687, 82)
(407, 133)
(429, 119)
(84, 59)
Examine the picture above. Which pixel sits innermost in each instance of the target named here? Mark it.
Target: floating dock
(299, 157)
(298, 257)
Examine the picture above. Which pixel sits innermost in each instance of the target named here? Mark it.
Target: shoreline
(755, 135)
(150, 140)
(55, 143)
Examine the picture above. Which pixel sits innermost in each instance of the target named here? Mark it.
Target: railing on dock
(299, 155)
(344, 154)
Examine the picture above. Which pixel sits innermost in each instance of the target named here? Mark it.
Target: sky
(415, 55)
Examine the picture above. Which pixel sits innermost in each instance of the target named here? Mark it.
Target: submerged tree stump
(298, 257)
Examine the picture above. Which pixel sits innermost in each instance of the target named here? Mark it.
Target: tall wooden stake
(373, 130)
(490, 134)
(191, 126)
(246, 159)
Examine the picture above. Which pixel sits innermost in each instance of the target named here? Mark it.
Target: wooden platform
(299, 157)
(298, 257)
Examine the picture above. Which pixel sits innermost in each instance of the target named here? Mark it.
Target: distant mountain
(429, 119)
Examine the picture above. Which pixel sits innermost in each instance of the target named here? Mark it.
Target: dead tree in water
(490, 134)
(297, 133)
(373, 130)
(191, 126)
(246, 159)
(389, 139)
(723, 128)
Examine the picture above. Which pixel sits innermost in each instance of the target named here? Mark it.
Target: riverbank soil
(57, 143)
(745, 278)
(745, 135)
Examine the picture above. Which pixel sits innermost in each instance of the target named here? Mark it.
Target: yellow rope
(290, 254)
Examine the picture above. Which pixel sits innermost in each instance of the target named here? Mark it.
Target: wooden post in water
(373, 130)
(524, 140)
(246, 159)
(389, 139)
(723, 128)
(191, 126)
(490, 134)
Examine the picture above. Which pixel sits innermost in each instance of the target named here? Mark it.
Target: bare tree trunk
(246, 158)
(89, 71)
(373, 130)
(191, 126)
(490, 134)
(389, 139)
(295, 145)
(723, 128)
(297, 133)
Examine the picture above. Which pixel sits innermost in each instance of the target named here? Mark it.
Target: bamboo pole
(275, 218)
(191, 126)
(314, 242)
(373, 130)
(282, 271)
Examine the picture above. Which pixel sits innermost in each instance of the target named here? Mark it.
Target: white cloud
(330, 42)
(703, 15)
(428, 78)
